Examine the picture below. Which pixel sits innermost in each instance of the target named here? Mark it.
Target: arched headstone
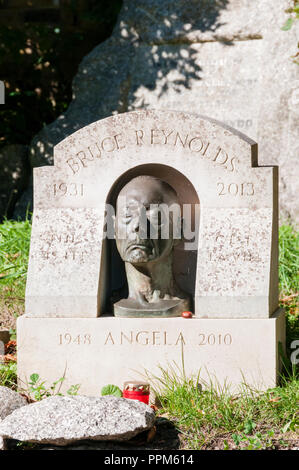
(227, 260)
(205, 161)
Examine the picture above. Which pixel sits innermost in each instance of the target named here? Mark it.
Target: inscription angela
(193, 143)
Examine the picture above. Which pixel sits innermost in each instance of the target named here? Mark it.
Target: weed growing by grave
(206, 412)
(289, 281)
(8, 375)
(37, 389)
(288, 261)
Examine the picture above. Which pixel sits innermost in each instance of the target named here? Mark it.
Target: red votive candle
(136, 391)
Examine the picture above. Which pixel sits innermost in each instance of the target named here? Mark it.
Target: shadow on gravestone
(103, 85)
(103, 80)
(226, 59)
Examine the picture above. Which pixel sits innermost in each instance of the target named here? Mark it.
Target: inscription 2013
(234, 189)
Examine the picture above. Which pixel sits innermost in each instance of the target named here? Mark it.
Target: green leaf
(237, 439)
(288, 24)
(34, 378)
(73, 390)
(249, 426)
(111, 390)
(225, 445)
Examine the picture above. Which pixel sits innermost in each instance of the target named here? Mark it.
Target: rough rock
(62, 420)
(10, 401)
(14, 176)
(227, 59)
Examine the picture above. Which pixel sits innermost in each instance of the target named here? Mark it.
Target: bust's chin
(139, 255)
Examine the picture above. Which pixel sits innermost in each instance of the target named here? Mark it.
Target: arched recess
(113, 283)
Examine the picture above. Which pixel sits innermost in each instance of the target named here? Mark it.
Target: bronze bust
(148, 225)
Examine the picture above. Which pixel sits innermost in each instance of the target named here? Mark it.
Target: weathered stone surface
(10, 401)
(14, 176)
(230, 271)
(63, 420)
(225, 351)
(227, 59)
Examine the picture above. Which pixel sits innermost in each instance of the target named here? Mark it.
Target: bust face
(141, 219)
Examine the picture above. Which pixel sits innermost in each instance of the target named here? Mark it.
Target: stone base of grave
(94, 352)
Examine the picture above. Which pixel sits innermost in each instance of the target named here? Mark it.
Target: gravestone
(227, 58)
(227, 261)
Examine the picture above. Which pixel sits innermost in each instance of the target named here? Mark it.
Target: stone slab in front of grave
(96, 352)
(233, 270)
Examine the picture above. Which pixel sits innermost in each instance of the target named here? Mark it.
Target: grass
(207, 414)
(14, 253)
(208, 418)
(288, 261)
(8, 375)
(289, 281)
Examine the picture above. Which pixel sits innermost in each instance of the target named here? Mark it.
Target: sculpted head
(147, 220)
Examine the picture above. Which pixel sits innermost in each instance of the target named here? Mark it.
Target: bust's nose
(135, 224)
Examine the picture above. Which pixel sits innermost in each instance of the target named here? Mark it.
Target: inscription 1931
(70, 189)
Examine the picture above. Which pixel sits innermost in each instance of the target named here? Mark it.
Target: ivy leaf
(111, 390)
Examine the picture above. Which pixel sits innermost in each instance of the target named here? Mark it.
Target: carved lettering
(156, 338)
(195, 144)
(180, 339)
(178, 137)
(173, 138)
(118, 140)
(235, 189)
(74, 166)
(125, 337)
(220, 154)
(67, 338)
(96, 154)
(143, 341)
(109, 338)
(139, 137)
(108, 144)
(167, 136)
(83, 158)
(147, 338)
(154, 136)
(70, 189)
(212, 339)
